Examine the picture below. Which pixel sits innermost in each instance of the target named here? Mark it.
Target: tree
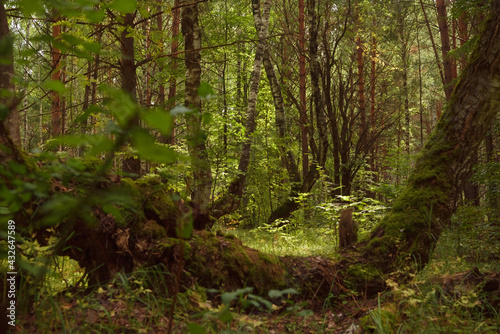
(129, 80)
(410, 230)
(231, 200)
(202, 174)
(8, 110)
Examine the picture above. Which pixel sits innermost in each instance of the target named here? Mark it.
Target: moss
(269, 258)
(225, 262)
(152, 230)
(361, 272)
(153, 202)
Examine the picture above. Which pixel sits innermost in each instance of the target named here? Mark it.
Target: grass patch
(297, 242)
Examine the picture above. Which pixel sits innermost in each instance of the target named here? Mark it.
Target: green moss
(269, 258)
(360, 272)
(152, 230)
(225, 262)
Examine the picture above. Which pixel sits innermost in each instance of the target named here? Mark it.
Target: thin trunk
(11, 123)
(445, 47)
(493, 192)
(302, 90)
(172, 83)
(434, 48)
(202, 174)
(26, 142)
(129, 81)
(361, 87)
(463, 36)
(232, 198)
(283, 144)
(315, 68)
(159, 27)
(420, 90)
(56, 75)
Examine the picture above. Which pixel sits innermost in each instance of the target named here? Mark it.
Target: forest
(256, 166)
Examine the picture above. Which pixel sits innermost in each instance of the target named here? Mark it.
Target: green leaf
(54, 85)
(228, 297)
(179, 109)
(95, 16)
(205, 91)
(305, 313)
(4, 111)
(93, 47)
(6, 46)
(195, 328)
(112, 210)
(280, 293)
(225, 316)
(160, 120)
(146, 148)
(124, 6)
(31, 6)
(186, 229)
(72, 39)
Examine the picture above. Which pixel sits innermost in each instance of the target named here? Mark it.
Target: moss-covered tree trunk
(409, 232)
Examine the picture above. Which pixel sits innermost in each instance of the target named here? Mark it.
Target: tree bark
(11, 122)
(129, 81)
(315, 69)
(56, 75)
(202, 174)
(445, 47)
(283, 144)
(231, 200)
(172, 81)
(410, 230)
(302, 90)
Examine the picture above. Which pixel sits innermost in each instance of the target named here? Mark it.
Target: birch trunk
(202, 174)
(231, 200)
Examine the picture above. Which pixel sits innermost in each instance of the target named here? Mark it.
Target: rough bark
(348, 234)
(302, 90)
(410, 230)
(315, 69)
(445, 47)
(56, 75)
(11, 123)
(172, 81)
(231, 200)
(202, 174)
(129, 81)
(283, 144)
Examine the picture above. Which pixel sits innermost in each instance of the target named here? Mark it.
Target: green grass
(298, 242)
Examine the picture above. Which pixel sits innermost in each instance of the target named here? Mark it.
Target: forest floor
(459, 292)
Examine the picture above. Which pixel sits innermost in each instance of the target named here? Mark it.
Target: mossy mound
(153, 202)
(224, 263)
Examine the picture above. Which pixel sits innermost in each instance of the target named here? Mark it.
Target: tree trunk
(302, 90)
(129, 81)
(314, 72)
(202, 174)
(56, 75)
(410, 230)
(11, 121)
(434, 48)
(445, 47)
(283, 144)
(231, 200)
(348, 234)
(172, 81)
